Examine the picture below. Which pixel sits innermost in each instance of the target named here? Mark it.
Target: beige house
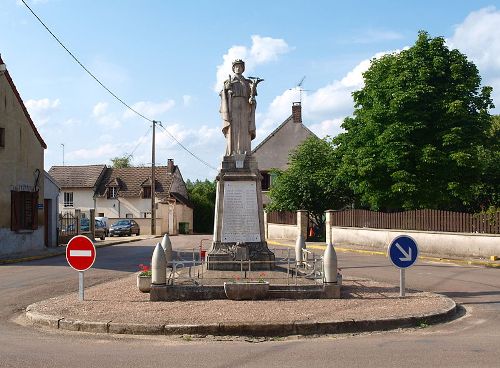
(22, 175)
(273, 151)
(126, 193)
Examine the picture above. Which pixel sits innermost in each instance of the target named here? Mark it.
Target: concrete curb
(491, 264)
(62, 250)
(242, 329)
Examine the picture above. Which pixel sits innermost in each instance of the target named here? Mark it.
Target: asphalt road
(470, 341)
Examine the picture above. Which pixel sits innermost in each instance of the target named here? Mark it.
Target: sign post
(403, 252)
(80, 254)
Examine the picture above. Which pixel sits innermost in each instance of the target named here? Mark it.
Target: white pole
(402, 282)
(80, 286)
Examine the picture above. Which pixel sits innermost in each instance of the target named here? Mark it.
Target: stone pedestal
(239, 218)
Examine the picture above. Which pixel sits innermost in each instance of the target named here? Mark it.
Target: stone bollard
(167, 248)
(158, 266)
(330, 264)
(300, 244)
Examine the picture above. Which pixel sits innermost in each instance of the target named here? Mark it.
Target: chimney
(170, 166)
(297, 112)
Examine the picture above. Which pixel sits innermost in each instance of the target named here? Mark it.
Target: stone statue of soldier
(238, 110)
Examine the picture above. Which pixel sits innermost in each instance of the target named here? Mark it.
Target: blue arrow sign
(403, 251)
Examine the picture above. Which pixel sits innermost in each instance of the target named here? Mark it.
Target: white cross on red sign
(80, 253)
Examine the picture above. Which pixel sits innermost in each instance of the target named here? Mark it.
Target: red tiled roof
(20, 100)
(77, 176)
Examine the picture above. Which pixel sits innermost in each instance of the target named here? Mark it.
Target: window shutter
(34, 213)
(14, 210)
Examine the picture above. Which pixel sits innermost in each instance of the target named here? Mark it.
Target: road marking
(80, 253)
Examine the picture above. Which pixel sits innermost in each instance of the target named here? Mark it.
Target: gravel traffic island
(119, 307)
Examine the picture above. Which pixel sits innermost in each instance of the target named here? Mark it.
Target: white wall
(120, 207)
(82, 200)
(278, 231)
(435, 243)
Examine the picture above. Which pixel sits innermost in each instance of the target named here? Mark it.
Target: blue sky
(167, 59)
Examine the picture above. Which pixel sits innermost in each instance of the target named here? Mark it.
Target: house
(78, 185)
(273, 151)
(126, 193)
(22, 175)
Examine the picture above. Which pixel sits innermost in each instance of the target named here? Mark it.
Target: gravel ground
(121, 301)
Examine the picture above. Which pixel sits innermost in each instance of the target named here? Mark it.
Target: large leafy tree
(202, 195)
(310, 182)
(419, 134)
(121, 162)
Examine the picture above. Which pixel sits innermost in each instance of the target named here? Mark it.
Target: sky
(168, 59)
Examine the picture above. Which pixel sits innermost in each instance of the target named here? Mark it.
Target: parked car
(124, 227)
(100, 230)
(105, 221)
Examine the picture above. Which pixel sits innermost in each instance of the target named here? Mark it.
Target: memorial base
(228, 257)
(239, 218)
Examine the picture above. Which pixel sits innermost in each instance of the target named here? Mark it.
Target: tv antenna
(299, 87)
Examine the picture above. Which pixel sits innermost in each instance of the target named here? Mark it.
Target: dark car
(124, 227)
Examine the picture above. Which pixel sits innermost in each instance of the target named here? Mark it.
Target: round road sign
(80, 253)
(403, 251)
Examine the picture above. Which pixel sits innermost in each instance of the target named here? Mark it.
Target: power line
(139, 142)
(111, 92)
(180, 144)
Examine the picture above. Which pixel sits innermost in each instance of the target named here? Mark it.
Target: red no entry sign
(80, 253)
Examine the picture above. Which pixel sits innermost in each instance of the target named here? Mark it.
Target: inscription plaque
(240, 221)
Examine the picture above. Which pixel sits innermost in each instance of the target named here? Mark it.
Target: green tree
(310, 182)
(202, 195)
(121, 162)
(418, 136)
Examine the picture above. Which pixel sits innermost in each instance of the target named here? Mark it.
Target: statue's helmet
(240, 62)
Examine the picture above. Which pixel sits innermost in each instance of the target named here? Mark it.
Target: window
(112, 192)
(266, 180)
(23, 211)
(2, 137)
(100, 214)
(68, 199)
(146, 192)
(129, 215)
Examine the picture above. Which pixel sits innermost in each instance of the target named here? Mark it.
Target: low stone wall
(278, 231)
(435, 243)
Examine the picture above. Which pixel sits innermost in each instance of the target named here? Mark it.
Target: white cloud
(478, 37)
(41, 110)
(266, 49)
(327, 127)
(100, 109)
(150, 109)
(101, 153)
(105, 118)
(263, 50)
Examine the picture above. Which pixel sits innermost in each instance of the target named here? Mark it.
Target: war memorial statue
(239, 218)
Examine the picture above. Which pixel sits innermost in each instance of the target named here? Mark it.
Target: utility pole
(153, 210)
(62, 144)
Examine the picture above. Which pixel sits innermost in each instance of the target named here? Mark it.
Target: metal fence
(284, 218)
(191, 267)
(425, 220)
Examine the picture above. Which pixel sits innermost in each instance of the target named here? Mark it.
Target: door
(46, 223)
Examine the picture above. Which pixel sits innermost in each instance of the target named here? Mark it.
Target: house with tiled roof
(274, 150)
(118, 193)
(78, 185)
(22, 222)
